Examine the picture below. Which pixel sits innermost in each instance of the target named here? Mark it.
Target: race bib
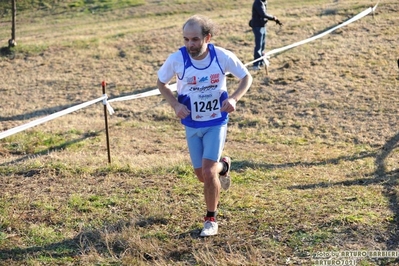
(205, 106)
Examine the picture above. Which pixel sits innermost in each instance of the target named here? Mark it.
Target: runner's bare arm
(229, 105)
(181, 110)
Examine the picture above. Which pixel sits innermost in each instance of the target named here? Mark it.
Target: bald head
(205, 25)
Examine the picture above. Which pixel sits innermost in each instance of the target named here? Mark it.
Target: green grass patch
(30, 49)
(41, 234)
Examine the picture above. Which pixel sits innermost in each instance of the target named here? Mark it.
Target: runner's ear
(208, 38)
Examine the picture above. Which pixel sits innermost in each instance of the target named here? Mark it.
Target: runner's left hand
(228, 105)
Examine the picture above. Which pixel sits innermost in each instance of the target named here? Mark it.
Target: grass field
(314, 143)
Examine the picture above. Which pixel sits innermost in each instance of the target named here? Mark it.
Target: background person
(258, 24)
(203, 104)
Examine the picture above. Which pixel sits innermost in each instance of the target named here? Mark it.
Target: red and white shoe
(210, 227)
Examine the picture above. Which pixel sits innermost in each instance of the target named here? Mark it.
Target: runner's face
(195, 43)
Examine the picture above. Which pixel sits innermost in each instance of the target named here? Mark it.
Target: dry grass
(314, 144)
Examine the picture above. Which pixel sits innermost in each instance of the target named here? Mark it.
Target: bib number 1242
(206, 106)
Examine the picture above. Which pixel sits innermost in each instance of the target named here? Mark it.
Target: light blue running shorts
(205, 143)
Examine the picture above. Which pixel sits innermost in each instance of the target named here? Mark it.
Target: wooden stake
(12, 42)
(106, 124)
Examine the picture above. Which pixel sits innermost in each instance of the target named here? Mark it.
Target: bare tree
(12, 42)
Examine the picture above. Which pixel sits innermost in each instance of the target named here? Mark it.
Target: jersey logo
(214, 78)
(203, 79)
(204, 88)
(192, 80)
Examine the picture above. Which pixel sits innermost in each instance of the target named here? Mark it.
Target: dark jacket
(259, 15)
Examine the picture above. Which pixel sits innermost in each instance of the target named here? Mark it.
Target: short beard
(196, 54)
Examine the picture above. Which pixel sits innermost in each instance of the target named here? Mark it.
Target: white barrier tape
(109, 107)
(48, 118)
(105, 99)
(142, 95)
(279, 50)
(172, 87)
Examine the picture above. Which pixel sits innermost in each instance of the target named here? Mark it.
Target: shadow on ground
(7, 52)
(388, 179)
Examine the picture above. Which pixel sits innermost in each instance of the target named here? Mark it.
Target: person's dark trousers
(260, 43)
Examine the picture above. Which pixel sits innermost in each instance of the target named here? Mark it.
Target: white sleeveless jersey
(201, 84)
